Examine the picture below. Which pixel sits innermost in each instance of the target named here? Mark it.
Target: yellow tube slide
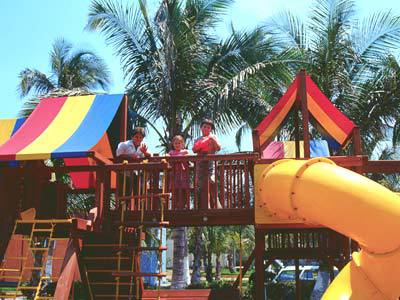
(318, 191)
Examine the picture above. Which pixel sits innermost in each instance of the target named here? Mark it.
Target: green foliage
(349, 60)
(70, 70)
(280, 290)
(178, 72)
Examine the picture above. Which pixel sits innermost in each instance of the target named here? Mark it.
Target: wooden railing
(320, 242)
(192, 182)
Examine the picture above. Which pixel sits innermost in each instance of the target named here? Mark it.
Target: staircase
(112, 261)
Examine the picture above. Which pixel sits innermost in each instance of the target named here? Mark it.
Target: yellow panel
(290, 149)
(6, 128)
(60, 130)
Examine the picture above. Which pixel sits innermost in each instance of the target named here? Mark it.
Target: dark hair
(208, 122)
(138, 130)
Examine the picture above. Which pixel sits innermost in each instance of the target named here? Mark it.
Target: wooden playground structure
(44, 250)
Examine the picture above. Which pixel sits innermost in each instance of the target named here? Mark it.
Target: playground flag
(62, 127)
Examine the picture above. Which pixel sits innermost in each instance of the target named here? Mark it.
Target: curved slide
(318, 191)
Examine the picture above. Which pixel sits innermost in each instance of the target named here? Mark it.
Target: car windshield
(310, 275)
(286, 276)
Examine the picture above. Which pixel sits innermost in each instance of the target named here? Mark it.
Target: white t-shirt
(128, 148)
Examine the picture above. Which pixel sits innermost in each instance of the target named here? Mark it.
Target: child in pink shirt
(180, 175)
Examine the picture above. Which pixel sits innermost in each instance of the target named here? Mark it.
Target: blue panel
(92, 128)
(319, 148)
(70, 154)
(18, 124)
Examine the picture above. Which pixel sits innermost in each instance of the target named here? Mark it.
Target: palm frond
(377, 35)
(239, 135)
(288, 30)
(35, 81)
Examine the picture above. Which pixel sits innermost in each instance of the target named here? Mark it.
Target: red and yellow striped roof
(332, 121)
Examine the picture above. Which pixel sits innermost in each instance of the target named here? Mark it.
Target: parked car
(306, 273)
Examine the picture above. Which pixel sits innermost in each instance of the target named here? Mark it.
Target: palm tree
(72, 72)
(348, 59)
(179, 73)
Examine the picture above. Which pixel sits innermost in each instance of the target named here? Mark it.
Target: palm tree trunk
(197, 256)
(218, 267)
(180, 265)
(230, 262)
(209, 273)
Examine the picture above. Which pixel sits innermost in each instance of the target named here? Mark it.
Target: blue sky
(29, 27)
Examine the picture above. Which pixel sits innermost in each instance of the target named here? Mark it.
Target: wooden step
(138, 274)
(135, 224)
(140, 249)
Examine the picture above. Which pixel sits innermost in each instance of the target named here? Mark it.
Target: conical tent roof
(327, 117)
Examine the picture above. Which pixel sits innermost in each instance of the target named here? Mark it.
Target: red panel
(82, 180)
(87, 180)
(278, 107)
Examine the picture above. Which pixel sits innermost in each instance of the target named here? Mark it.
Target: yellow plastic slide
(318, 191)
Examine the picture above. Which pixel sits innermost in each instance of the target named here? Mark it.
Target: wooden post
(204, 184)
(99, 197)
(259, 264)
(61, 209)
(304, 112)
(256, 141)
(357, 141)
(123, 110)
(246, 267)
(298, 288)
(106, 197)
(297, 129)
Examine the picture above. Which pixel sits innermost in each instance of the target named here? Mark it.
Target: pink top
(179, 152)
(181, 170)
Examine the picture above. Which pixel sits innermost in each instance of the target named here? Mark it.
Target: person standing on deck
(207, 144)
(133, 148)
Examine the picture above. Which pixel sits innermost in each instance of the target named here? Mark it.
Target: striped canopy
(8, 127)
(326, 116)
(62, 127)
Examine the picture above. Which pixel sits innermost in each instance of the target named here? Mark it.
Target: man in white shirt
(134, 148)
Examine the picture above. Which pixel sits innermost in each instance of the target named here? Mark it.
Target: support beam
(297, 273)
(259, 264)
(357, 141)
(304, 112)
(296, 129)
(246, 267)
(256, 141)
(123, 110)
